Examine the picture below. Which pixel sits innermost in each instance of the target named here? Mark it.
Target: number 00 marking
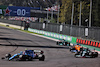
(21, 12)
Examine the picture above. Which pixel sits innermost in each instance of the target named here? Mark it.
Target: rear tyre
(92, 55)
(96, 54)
(76, 56)
(42, 58)
(66, 44)
(29, 58)
(69, 44)
(57, 42)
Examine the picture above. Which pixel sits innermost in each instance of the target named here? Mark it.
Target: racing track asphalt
(56, 56)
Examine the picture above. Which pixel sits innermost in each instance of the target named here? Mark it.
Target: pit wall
(67, 38)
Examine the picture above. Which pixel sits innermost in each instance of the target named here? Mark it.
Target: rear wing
(38, 51)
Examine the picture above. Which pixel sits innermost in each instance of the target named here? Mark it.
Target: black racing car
(63, 42)
(86, 53)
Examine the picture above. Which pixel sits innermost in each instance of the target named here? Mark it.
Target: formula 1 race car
(75, 48)
(26, 55)
(63, 42)
(86, 53)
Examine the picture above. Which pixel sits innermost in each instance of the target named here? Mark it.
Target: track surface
(56, 56)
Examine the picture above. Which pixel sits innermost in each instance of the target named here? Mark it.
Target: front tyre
(22, 57)
(3, 58)
(76, 56)
(57, 43)
(7, 56)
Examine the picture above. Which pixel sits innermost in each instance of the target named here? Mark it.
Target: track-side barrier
(87, 42)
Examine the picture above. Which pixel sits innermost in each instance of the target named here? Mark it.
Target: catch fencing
(93, 33)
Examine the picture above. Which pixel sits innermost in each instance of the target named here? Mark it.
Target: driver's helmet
(21, 52)
(25, 49)
(63, 39)
(79, 44)
(87, 49)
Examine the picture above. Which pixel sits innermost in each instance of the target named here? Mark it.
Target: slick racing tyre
(76, 55)
(67, 43)
(22, 57)
(92, 55)
(57, 43)
(25, 58)
(3, 58)
(29, 58)
(42, 58)
(8, 56)
(70, 49)
(96, 54)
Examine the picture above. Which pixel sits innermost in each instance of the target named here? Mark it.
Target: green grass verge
(9, 27)
(19, 29)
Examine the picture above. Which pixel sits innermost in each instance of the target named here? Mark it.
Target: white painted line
(10, 25)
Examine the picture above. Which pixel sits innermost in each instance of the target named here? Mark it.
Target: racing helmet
(21, 52)
(25, 48)
(79, 44)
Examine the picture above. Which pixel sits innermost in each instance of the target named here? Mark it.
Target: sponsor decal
(43, 32)
(64, 37)
(57, 36)
(69, 38)
(54, 35)
(46, 33)
(19, 11)
(7, 11)
(87, 42)
(61, 37)
(40, 32)
(0, 11)
(3, 10)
